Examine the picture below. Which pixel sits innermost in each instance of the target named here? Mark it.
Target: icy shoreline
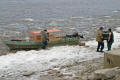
(13, 65)
(62, 58)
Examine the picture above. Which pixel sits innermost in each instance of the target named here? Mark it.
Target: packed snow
(15, 64)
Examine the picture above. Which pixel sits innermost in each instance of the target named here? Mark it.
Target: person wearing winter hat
(101, 28)
(99, 39)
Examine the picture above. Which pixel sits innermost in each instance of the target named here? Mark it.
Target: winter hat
(101, 28)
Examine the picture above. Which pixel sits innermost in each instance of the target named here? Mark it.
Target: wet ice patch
(56, 56)
(118, 29)
(115, 11)
(116, 43)
(80, 17)
(36, 61)
(29, 19)
(107, 16)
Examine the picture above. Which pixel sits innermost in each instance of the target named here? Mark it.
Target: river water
(47, 9)
(18, 17)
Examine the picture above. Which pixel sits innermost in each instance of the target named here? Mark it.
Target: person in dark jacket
(99, 39)
(110, 39)
(44, 38)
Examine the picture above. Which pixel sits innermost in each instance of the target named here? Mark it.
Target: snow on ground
(45, 59)
(118, 29)
(22, 61)
(16, 64)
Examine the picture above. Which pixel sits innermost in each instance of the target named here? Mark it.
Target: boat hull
(24, 45)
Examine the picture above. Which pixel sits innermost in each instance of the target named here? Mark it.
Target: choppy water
(45, 9)
(18, 16)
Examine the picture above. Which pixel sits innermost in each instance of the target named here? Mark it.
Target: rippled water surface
(45, 9)
(21, 16)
